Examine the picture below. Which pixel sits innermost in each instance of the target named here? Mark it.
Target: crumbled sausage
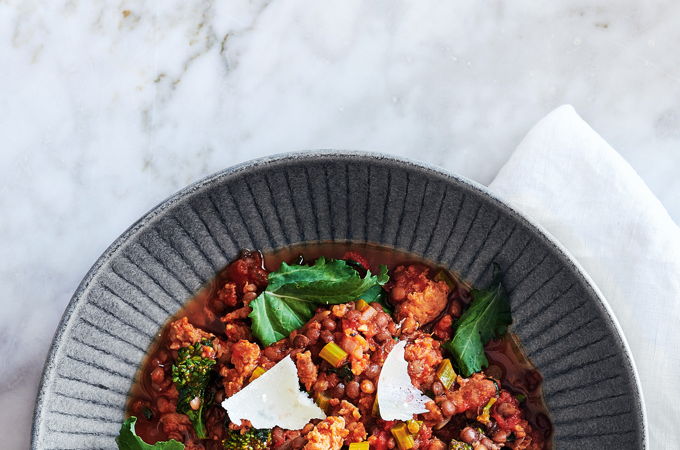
(473, 393)
(352, 416)
(182, 334)
(226, 297)
(244, 358)
(307, 371)
(328, 434)
(423, 356)
(416, 295)
(176, 426)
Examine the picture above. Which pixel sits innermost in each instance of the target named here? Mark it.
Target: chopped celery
(361, 305)
(375, 411)
(259, 370)
(322, 401)
(403, 438)
(446, 374)
(413, 426)
(333, 354)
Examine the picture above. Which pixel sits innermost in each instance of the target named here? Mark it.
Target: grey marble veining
(106, 109)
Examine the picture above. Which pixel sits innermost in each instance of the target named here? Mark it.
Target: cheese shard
(274, 399)
(398, 399)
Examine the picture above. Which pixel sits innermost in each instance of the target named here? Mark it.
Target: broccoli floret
(252, 439)
(458, 445)
(191, 375)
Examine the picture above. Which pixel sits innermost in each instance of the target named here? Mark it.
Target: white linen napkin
(566, 178)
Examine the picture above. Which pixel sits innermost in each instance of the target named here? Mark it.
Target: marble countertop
(105, 110)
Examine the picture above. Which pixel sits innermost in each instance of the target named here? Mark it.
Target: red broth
(507, 360)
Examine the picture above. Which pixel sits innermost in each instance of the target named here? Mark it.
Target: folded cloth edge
(566, 127)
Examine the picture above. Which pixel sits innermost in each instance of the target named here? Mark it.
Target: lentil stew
(498, 407)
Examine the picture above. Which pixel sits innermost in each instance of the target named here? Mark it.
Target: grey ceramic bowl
(590, 383)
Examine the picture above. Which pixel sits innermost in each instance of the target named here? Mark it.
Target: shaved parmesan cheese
(274, 399)
(398, 399)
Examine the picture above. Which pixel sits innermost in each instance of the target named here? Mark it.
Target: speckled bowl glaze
(158, 264)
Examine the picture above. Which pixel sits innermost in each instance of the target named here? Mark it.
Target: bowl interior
(150, 271)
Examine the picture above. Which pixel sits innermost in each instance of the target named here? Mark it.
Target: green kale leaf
(295, 291)
(487, 318)
(378, 294)
(128, 440)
